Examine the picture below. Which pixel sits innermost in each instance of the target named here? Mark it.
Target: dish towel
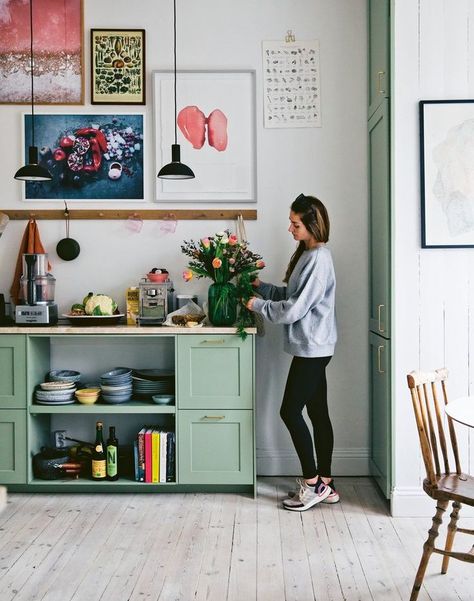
(30, 243)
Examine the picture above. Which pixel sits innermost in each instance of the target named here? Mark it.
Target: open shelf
(97, 408)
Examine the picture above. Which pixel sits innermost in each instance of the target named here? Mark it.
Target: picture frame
(58, 59)
(447, 173)
(216, 130)
(118, 66)
(90, 157)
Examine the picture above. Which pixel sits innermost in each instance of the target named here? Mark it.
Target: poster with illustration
(91, 157)
(215, 128)
(57, 50)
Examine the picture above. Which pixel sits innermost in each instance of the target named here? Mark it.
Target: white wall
(329, 161)
(433, 288)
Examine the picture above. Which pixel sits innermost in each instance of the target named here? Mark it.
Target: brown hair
(315, 218)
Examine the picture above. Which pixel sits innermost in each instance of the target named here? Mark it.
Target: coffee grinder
(37, 286)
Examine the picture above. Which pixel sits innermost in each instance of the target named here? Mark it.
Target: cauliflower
(100, 304)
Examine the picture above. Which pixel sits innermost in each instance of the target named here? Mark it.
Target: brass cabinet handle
(379, 311)
(379, 356)
(217, 341)
(214, 417)
(380, 74)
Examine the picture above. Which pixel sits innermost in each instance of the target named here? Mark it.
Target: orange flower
(260, 264)
(187, 275)
(216, 263)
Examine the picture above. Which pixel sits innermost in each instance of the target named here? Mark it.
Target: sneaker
(332, 498)
(308, 496)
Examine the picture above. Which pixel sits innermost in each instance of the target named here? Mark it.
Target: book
(155, 456)
(148, 458)
(163, 437)
(141, 454)
(170, 456)
(135, 461)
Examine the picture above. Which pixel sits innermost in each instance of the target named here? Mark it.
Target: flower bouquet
(225, 260)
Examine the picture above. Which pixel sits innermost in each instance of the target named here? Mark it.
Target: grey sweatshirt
(306, 306)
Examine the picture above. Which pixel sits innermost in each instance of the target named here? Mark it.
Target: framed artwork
(118, 66)
(57, 49)
(216, 130)
(447, 173)
(91, 157)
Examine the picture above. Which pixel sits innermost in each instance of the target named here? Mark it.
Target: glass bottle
(99, 471)
(112, 455)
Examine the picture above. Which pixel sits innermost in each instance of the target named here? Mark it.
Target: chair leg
(428, 548)
(452, 528)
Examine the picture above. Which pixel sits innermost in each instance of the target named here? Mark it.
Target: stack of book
(154, 455)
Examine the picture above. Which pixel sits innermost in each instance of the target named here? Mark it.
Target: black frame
(143, 66)
(422, 106)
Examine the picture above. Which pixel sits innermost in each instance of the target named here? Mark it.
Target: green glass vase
(222, 304)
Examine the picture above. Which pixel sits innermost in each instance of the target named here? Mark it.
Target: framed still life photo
(447, 173)
(215, 127)
(118, 66)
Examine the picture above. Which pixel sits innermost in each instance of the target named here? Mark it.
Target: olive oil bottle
(99, 470)
(112, 455)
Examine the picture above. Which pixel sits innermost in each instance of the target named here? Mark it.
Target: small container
(183, 299)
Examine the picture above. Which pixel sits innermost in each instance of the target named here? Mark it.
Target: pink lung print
(192, 122)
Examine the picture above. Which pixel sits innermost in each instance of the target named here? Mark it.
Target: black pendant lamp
(176, 169)
(32, 172)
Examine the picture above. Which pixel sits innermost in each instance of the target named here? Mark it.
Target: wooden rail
(157, 214)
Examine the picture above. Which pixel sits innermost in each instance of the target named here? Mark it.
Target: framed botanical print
(118, 66)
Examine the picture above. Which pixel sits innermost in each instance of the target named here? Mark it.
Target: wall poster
(291, 84)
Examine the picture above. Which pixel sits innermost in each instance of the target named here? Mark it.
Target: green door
(379, 52)
(12, 371)
(215, 447)
(215, 371)
(379, 199)
(380, 413)
(13, 446)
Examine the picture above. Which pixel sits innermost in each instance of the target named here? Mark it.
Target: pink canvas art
(57, 49)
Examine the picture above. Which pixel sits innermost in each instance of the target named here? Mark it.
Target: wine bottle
(99, 471)
(112, 455)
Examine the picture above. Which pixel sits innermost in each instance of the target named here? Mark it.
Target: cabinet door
(379, 52)
(13, 446)
(380, 413)
(379, 199)
(215, 447)
(12, 371)
(215, 372)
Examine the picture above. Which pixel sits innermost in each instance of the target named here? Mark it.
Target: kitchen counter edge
(120, 329)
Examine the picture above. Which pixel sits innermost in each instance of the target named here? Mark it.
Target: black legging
(306, 385)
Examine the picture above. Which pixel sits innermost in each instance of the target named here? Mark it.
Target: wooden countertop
(119, 329)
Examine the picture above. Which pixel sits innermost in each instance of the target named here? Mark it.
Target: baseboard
(413, 502)
(3, 498)
(345, 462)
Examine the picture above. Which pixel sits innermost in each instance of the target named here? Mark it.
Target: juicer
(37, 287)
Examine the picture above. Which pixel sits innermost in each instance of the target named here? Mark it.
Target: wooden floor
(191, 547)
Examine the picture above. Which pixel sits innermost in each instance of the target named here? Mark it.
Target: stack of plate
(116, 385)
(55, 393)
(148, 382)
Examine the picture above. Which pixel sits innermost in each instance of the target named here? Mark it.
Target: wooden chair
(441, 484)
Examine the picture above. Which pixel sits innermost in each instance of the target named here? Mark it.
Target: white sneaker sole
(312, 503)
(292, 494)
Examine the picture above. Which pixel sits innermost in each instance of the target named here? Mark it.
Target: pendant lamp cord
(175, 103)
(31, 69)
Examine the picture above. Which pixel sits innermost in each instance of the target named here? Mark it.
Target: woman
(306, 307)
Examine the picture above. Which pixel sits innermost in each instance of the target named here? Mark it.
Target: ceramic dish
(163, 399)
(94, 320)
(58, 385)
(87, 400)
(64, 375)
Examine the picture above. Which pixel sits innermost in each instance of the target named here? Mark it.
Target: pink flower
(260, 264)
(233, 240)
(206, 242)
(232, 260)
(187, 275)
(216, 263)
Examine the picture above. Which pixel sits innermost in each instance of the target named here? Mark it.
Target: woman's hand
(255, 283)
(250, 303)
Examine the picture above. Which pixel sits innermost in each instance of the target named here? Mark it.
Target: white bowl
(163, 399)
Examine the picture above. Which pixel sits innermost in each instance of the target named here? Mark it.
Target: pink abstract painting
(192, 122)
(57, 49)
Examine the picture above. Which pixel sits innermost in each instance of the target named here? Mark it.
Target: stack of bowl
(116, 385)
(88, 396)
(55, 393)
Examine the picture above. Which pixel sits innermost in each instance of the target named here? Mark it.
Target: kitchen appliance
(155, 301)
(37, 286)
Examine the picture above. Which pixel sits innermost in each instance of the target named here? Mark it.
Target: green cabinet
(13, 452)
(13, 372)
(216, 447)
(215, 372)
(380, 413)
(379, 194)
(379, 52)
